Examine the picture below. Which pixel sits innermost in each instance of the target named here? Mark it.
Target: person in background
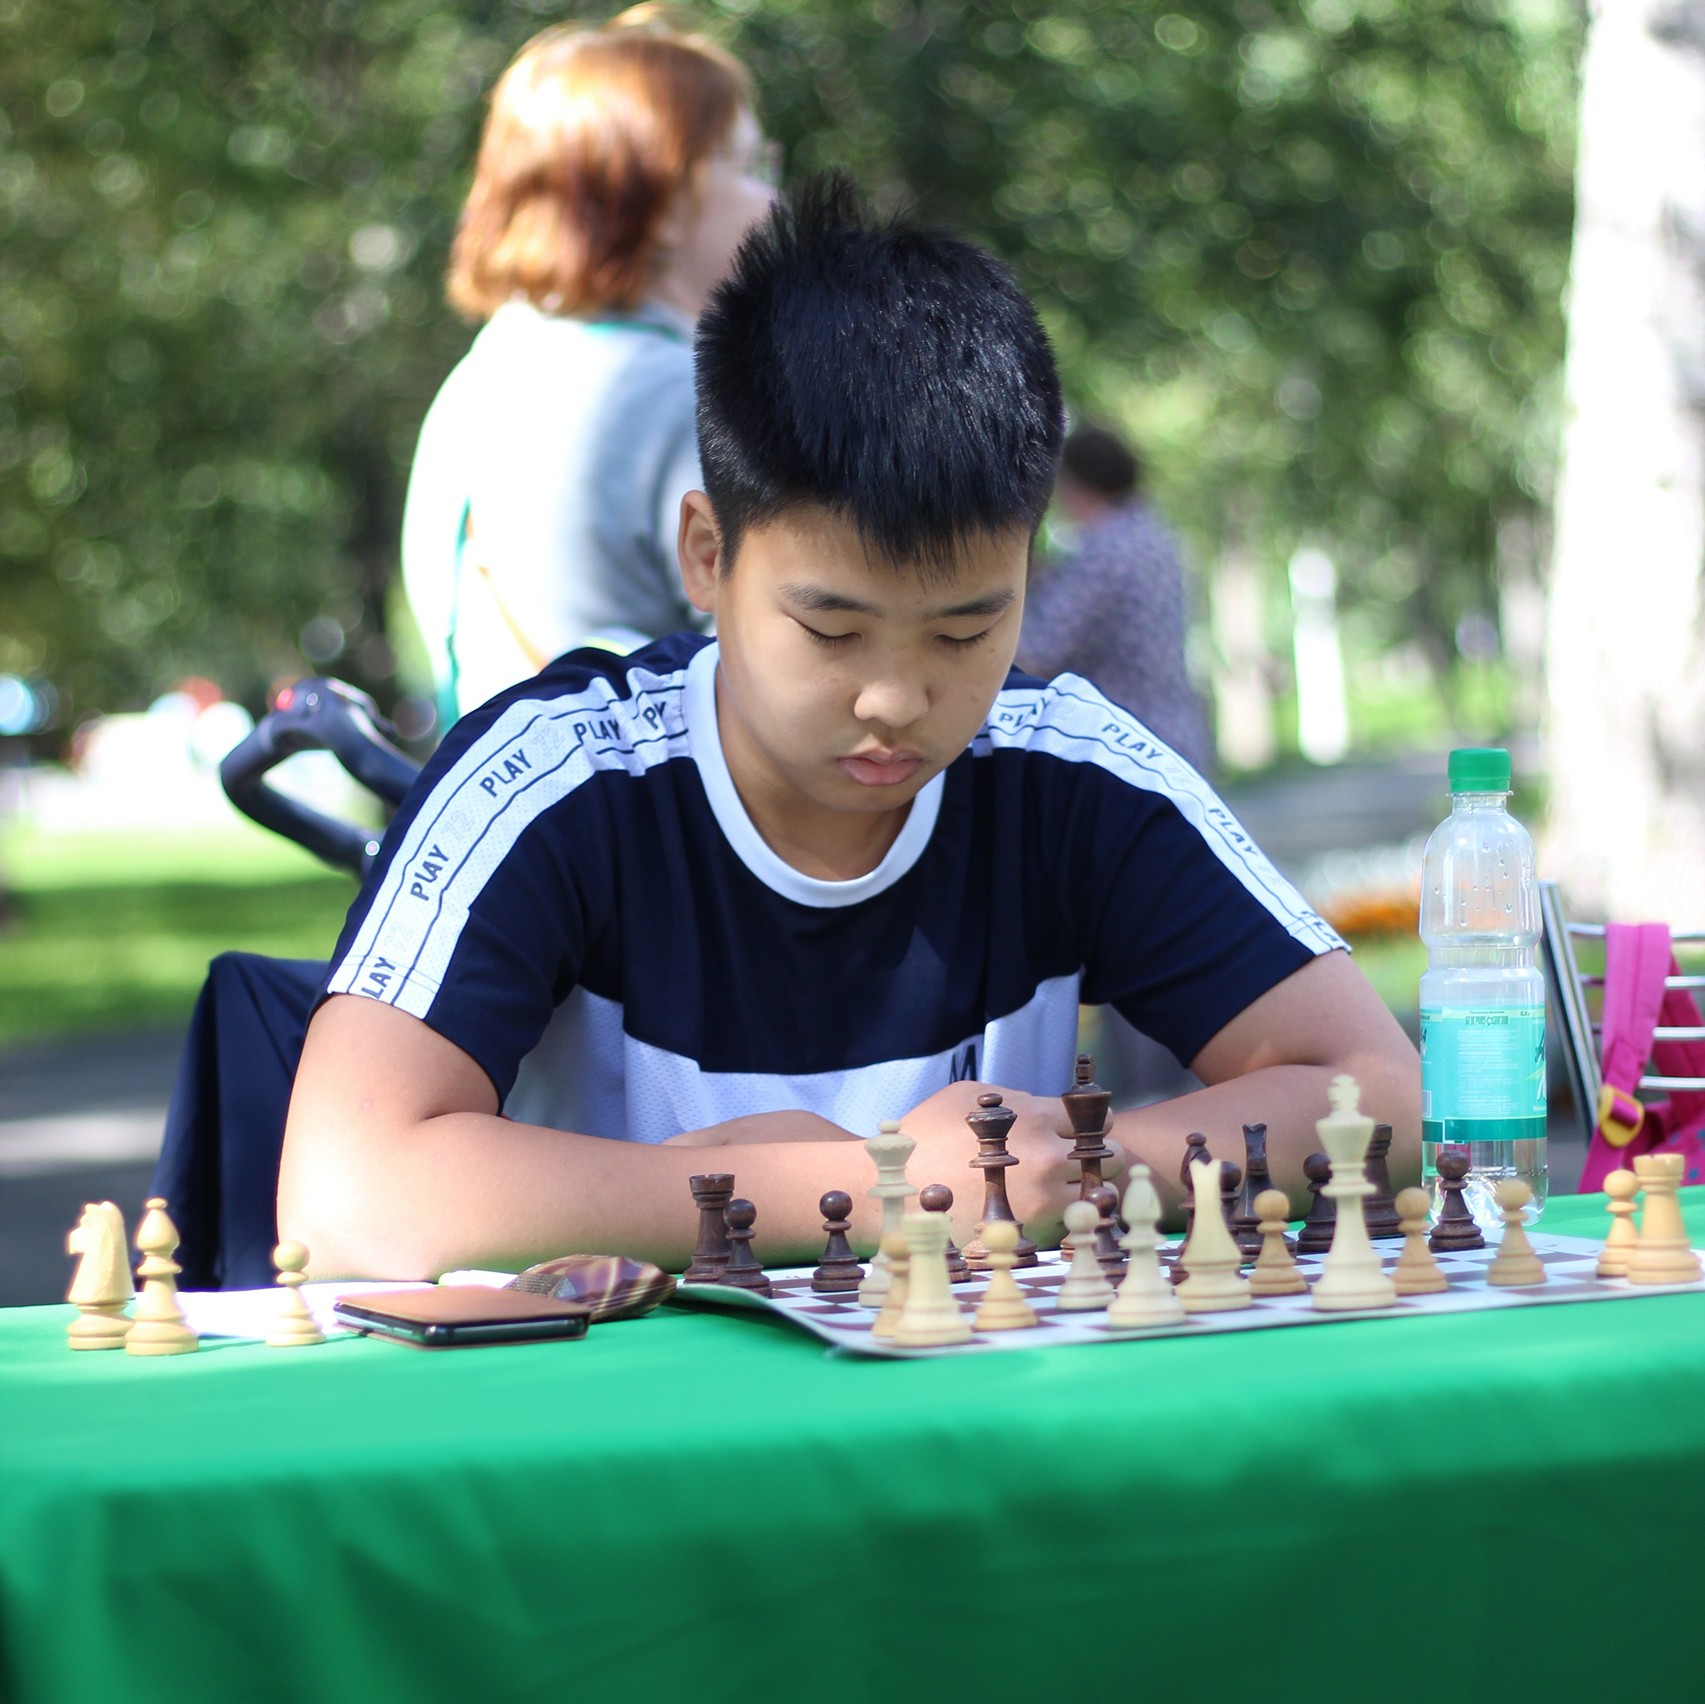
(620, 166)
(1114, 609)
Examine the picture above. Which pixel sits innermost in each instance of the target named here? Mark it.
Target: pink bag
(1637, 958)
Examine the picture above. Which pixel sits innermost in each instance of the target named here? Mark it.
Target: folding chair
(1577, 999)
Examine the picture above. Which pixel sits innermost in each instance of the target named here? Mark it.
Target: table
(691, 1506)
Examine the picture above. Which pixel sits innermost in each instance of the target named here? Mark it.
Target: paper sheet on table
(250, 1313)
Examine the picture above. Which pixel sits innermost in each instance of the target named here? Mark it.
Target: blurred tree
(1626, 834)
(1310, 251)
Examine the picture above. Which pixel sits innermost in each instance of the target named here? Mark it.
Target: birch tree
(1626, 677)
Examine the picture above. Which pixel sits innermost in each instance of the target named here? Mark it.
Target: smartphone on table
(462, 1315)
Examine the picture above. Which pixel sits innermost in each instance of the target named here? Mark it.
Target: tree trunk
(1626, 653)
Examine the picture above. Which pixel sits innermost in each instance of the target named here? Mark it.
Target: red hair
(592, 135)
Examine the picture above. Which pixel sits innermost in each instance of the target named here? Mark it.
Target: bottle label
(1483, 1074)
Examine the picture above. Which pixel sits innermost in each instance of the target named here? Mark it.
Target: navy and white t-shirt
(575, 896)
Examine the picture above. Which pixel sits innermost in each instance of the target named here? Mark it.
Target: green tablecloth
(692, 1506)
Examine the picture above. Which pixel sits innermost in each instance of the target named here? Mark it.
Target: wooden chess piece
(839, 1270)
(1257, 1178)
(938, 1198)
(1621, 1186)
(889, 1150)
(1663, 1254)
(1086, 1104)
(930, 1317)
(294, 1325)
(1003, 1306)
(1352, 1276)
(712, 1191)
(1416, 1272)
(160, 1326)
(1515, 1263)
(989, 1124)
(1213, 1283)
(1455, 1231)
(1145, 1298)
(744, 1271)
(1275, 1273)
(897, 1257)
(101, 1285)
(1379, 1210)
(1231, 1184)
(1105, 1201)
(1085, 1286)
(1195, 1154)
(1315, 1237)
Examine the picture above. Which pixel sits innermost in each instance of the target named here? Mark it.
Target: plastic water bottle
(1482, 995)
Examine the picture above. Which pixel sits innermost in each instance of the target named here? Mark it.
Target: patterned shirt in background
(1114, 612)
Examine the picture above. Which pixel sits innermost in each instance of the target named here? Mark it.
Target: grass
(114, 931)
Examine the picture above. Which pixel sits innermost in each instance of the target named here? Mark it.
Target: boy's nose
(894, 701)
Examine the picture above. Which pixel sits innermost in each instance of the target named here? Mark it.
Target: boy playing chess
(838, 864)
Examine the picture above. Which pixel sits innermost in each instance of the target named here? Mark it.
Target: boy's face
(845, 684)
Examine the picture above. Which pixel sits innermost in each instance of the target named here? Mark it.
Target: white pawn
(1086, 1284)
(931, 1316)
(1276, 1272)
(160, 1327)
(102, 1283)
(294, 1325)
(896, 1257)
(1621, 1186)
(1515, 1263)
(1145, 1297)
(1004, 1307)
(1416, 1273)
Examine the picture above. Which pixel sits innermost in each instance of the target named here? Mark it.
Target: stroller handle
(318, 714)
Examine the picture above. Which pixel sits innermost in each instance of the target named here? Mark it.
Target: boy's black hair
(894, 375)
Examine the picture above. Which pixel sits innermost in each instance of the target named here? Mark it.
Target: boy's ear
(698, 544)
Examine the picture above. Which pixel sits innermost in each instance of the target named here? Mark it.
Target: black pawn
(1315, 1237)
(938, 1198)
(840, 1270)
(712, 1192)
(1456, 1229)
(1231, 1181)
(743, 1270)
(1379, 1209)
(1257, 1176)
(1108, 1254)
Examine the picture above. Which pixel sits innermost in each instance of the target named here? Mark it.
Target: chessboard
(839, 1321)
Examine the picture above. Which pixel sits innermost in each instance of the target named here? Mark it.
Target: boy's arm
(1271, 1064)
(396, 1164)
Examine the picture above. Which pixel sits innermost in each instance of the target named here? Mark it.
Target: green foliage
(1311, 252)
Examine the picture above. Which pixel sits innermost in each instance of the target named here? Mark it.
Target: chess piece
(1108, 1253)
(712, 1191)
(1455, 1231)
(294, 1325)
(1085, 1284)
(839, 1270)
(1231, 1184)
(897, 1258)
(989, 1124)
(1213, 1283)
(1352, 1276)
(1003, 1307)
(1276, 1273)
(1195, 1153)
(1379, 1210)
(930, 1317)
(1515, 1263)
(1621, 1186)
(1257, 1177)
(1315, 1237)
(889, 1150)
(1416, 1272)
(1662, 1255)
(1145, 1298)
(743, 1271)
(1086, 1104)
(938, 1198)
(160, 1327)
(101, 1285)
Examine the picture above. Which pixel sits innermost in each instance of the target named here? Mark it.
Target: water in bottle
(1482, 995)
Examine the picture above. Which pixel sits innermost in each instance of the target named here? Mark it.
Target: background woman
(620, 166)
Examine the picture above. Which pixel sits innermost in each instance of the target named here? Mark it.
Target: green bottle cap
(1479, 769)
